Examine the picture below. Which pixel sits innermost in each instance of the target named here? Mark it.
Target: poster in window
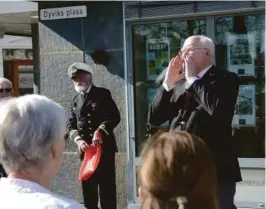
(241, 54)
(245, 109)
(157, 56)
(25, 80)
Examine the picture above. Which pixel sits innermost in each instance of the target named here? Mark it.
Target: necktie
(187, 98)
(83, 96)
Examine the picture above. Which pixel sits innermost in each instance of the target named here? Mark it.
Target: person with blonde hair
(177, 171)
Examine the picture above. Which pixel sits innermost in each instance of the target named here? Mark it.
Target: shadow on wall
(99, 35)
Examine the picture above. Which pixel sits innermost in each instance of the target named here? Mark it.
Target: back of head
(29, 126)
(177, 171)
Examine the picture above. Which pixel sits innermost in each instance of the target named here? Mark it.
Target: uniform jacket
(205, 109)
(97, 111)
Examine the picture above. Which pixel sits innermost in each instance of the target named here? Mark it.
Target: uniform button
(80, 122)
(81, 129)
(82, 135)
(89, 121)
(90, 128)
(89, 114)
(90, 134)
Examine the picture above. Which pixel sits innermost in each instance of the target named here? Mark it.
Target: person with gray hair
(197, 97)
(32, 140)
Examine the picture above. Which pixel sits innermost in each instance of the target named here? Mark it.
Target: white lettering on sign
(63, 13)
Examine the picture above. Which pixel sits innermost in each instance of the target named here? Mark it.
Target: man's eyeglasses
(8, 90)
(188, 50)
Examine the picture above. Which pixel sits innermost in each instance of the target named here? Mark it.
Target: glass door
(20, 73)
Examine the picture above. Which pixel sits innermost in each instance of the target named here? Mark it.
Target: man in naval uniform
(92, 119)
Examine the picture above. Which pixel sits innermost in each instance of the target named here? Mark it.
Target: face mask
(80, 87)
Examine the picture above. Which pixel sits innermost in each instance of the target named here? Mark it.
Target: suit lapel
(79, 102)
(84, 103)
(209, 74)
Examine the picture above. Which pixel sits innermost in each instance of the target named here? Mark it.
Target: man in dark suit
(93, 117)
(201, 100)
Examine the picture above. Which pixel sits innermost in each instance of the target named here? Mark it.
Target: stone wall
(62, 42)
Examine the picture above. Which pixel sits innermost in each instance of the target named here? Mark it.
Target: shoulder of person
(58, 202)
(225, 74)
(103, 90)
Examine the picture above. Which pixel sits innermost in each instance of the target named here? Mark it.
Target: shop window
(25, 78)
(153, 46)
(240, 44)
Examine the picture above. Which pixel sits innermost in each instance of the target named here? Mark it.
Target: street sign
(63, 13)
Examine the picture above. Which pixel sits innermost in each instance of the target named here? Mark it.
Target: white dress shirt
(87, 91)
(189, 80)
(23, 194)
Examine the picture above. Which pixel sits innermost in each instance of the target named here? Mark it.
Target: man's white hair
(5, 80)
(29, 126)
(204, 42)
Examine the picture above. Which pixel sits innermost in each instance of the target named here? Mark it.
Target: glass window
(153, 46)
(240, 48)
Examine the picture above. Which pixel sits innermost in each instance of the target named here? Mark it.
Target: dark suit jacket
(87, 116)
(207, 113)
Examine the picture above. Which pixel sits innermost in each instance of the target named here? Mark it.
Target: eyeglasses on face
(186, 51)
(8, 90)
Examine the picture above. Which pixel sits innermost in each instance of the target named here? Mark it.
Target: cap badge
(73, 70)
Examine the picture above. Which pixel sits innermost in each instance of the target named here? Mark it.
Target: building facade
(139, 39)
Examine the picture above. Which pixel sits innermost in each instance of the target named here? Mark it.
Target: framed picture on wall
(241, 53)
(26, 80)
(157, 56)
(245, 109)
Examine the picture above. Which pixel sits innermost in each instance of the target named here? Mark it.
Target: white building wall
(13, 42)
